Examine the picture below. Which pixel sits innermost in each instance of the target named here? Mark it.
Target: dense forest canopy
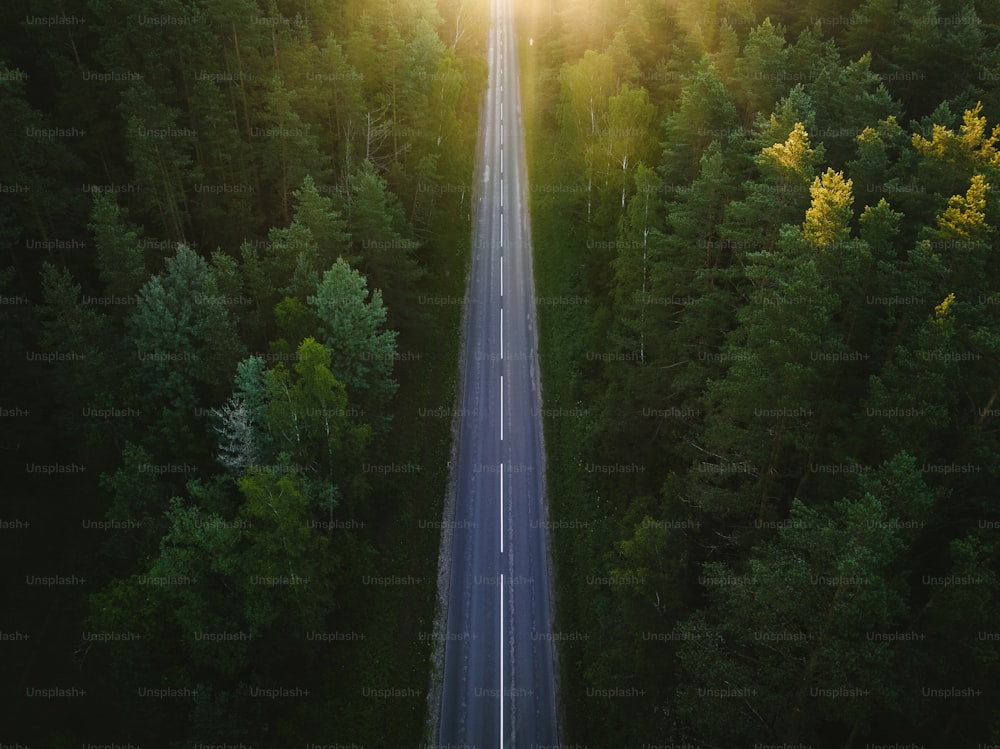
(772, 390)
(769, 313)
(219, 219)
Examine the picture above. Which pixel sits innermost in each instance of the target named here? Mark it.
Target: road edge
(432, 731)
(527, 231)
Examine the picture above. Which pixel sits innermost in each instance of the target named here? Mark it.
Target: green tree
(382, 241)
(782, 647)
(779, 195)
(363, 352)
(307, 414)
(182, 333)
(627, 135)
(89, 363)
(316, 212)
(949, 159)
(762, 416)
(585, 88)
(931, 47)
(762, 70)
(848, 98)
(287, 150)
(162, 165)
(120, 259)
(705, 112)
(137, 496)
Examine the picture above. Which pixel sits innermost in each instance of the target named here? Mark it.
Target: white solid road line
(501, 467)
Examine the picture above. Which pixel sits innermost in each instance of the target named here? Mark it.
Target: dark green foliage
(781, 221)
(205, 203)
(795, 339)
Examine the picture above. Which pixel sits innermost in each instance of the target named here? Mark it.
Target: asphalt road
(498, 688)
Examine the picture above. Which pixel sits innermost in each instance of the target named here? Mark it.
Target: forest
(770, 348)
(223, 430)
(770, 367)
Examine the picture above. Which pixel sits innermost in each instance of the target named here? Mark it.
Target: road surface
(498, 683)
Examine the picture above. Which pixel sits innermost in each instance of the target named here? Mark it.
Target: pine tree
(120, 259)
(762, 70)
(785, 635)
(363, 352)
(163, 167)
(705, 112)
(182, 334)
(383, 245)
(238, 448)
(828, 219)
